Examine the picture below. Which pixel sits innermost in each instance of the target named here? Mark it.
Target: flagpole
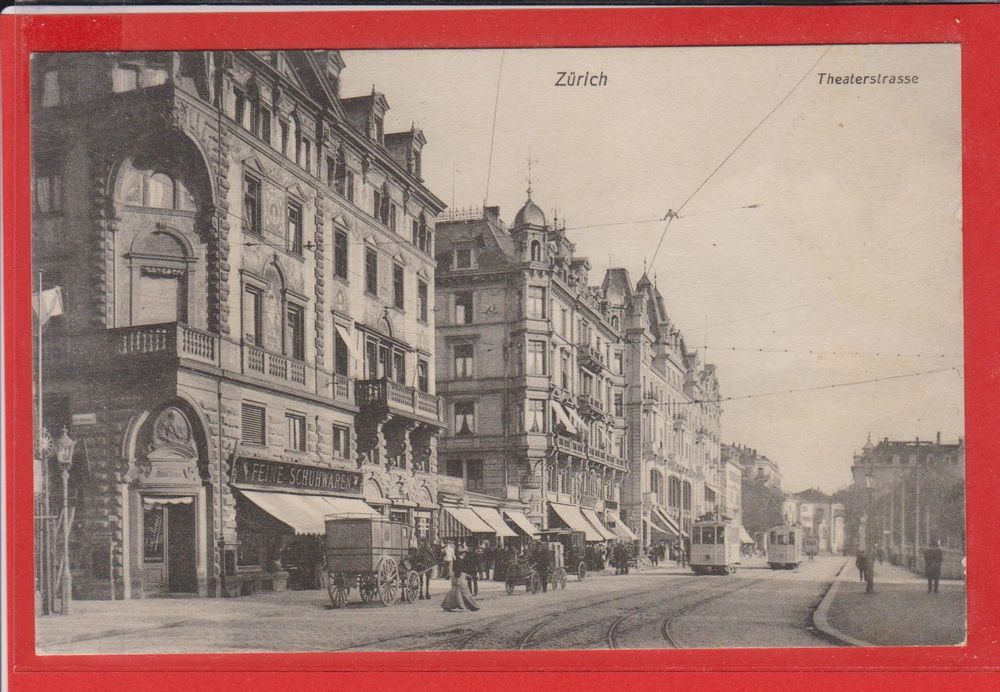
(46, 562)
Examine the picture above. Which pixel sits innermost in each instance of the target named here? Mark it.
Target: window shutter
(254, 418)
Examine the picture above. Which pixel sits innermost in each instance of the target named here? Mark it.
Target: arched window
(340, 172)
(614, 321)
(160, 191)
(153, 189)
(687, 496)
(254, 109)
(536, 251)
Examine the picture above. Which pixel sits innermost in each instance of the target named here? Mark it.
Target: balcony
(589, 406)
(680, 421)
(172, 340)
(273, 366)
(392, 397)
(590, 358)
(582, 450)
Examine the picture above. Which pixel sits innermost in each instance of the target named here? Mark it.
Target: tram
(784, 547)
(715, 546)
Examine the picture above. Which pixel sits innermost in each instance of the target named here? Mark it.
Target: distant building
(731, 492)
(819, 516)
(755, 466)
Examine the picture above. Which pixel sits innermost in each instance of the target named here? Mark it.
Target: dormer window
(463, 258)
(416, 163)
(379, 129)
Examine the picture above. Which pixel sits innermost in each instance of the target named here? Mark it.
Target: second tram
(784, 547)
(715, 547)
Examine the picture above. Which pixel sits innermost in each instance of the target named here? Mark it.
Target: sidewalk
(899, 613)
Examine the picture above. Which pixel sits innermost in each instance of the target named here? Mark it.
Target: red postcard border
(975, 27)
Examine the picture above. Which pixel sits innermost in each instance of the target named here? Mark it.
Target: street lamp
(870, 488)
(64, 453)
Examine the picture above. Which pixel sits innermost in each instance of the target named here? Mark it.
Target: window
(283, 128)
(465, 417)
(398, 297)
(392, 213)
(296, 332)
(294, 228)
(454, 468)
(265, 125)
(124, 78)
(48, 193)
(399, 367)
(422, 300)
(416, 233)
(379, 129)
(619, 405)
(463, 361)
(341, 442)
(536, 251)
(536, 302)
(463, 307)
(564, 371)
(307, 154)
(50, 88)
(349, 185)
(296, 425)
(240, 108)
(463, 258)
(535, 416)
(254, 424)
(252, 315)
(253, 100)
(340, 254)
(371, 272)
(252, 204)
(536, 358)
(340, 354)
(474, 475)
(619, 363)
(423, 381)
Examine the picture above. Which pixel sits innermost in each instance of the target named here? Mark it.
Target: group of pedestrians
(865, 563)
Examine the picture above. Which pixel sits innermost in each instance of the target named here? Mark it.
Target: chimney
(939, 438)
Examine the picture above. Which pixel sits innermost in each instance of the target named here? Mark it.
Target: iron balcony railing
(398, 398)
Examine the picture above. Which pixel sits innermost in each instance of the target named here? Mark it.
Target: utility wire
(493, 129)
(672, 214)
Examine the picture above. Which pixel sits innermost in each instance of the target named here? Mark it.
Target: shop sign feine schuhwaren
(274, 475)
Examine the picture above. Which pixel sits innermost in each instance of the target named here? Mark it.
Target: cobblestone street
(660, 607)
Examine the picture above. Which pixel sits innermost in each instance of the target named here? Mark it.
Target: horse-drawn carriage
(373, 554)
(519, 571)
(576, 557)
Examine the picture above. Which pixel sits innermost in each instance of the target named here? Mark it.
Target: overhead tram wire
(493, 130)
(672, 214)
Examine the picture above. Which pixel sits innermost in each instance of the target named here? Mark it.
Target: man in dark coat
(933, 557)
(472, 564)
(543, 564)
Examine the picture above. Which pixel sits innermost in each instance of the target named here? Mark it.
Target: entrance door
(168, 547)
(181, 550)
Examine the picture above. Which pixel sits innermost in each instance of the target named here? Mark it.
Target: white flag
(51, 304)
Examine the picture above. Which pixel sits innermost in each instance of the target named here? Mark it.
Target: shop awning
(744, 536)
(572, 517)
(460, 522)
(522, 523)
(664, 523)
(563, 417)
(592, 517)
(153, 500)
(492, 517)
(620, 528)
(306, 514)
(575, 417)
(348, 505)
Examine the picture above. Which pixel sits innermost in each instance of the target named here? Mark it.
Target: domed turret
(529, 215)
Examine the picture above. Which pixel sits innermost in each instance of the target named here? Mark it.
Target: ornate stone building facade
(531, 365)
(247, 262)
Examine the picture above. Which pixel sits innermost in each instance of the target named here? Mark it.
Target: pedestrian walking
(933, 557)
(459, 597)
(859, 562)
(543, 565)
(879, 554)
(472, 565)
(869, 574)
(449, 560)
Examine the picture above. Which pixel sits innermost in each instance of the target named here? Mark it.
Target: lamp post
(64, 453)
(870, 490)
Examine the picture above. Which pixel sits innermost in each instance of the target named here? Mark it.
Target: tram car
(784, 547)
(715, 547)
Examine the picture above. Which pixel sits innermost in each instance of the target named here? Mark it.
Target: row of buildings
(269, 319)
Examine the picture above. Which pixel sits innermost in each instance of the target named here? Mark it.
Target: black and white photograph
(498, 349)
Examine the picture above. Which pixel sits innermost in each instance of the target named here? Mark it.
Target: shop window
(371, 272)
(254, 424)
(465, 417)
(422, 300)
(340, 254)
(252, 205)
(423, 381)
(423, 526)
(400, 515)
(398, 296)
(296, 426)
(341, 442)
(463, 361)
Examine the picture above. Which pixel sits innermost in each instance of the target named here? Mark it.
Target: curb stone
(821, 621)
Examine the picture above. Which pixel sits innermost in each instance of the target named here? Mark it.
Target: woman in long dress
(459, 597)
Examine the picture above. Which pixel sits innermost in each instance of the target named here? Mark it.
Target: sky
(854, 245)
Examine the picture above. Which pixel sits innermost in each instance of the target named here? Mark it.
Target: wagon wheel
(411, 587)
(338, 587)
(560, 578)
(388, 581)
(534, 583)
(581, 571)
(368, 588)
(509, 585)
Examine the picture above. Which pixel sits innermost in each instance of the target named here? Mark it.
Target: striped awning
(592, 517)
(575, 417)
(521, 523)
(492, 517)
(571, 516)
(744, 536)
(462, 522)
(620, 528)
(664, 523)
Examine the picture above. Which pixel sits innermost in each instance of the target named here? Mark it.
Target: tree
(761, 506)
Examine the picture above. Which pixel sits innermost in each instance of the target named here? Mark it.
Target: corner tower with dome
(531, 365)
